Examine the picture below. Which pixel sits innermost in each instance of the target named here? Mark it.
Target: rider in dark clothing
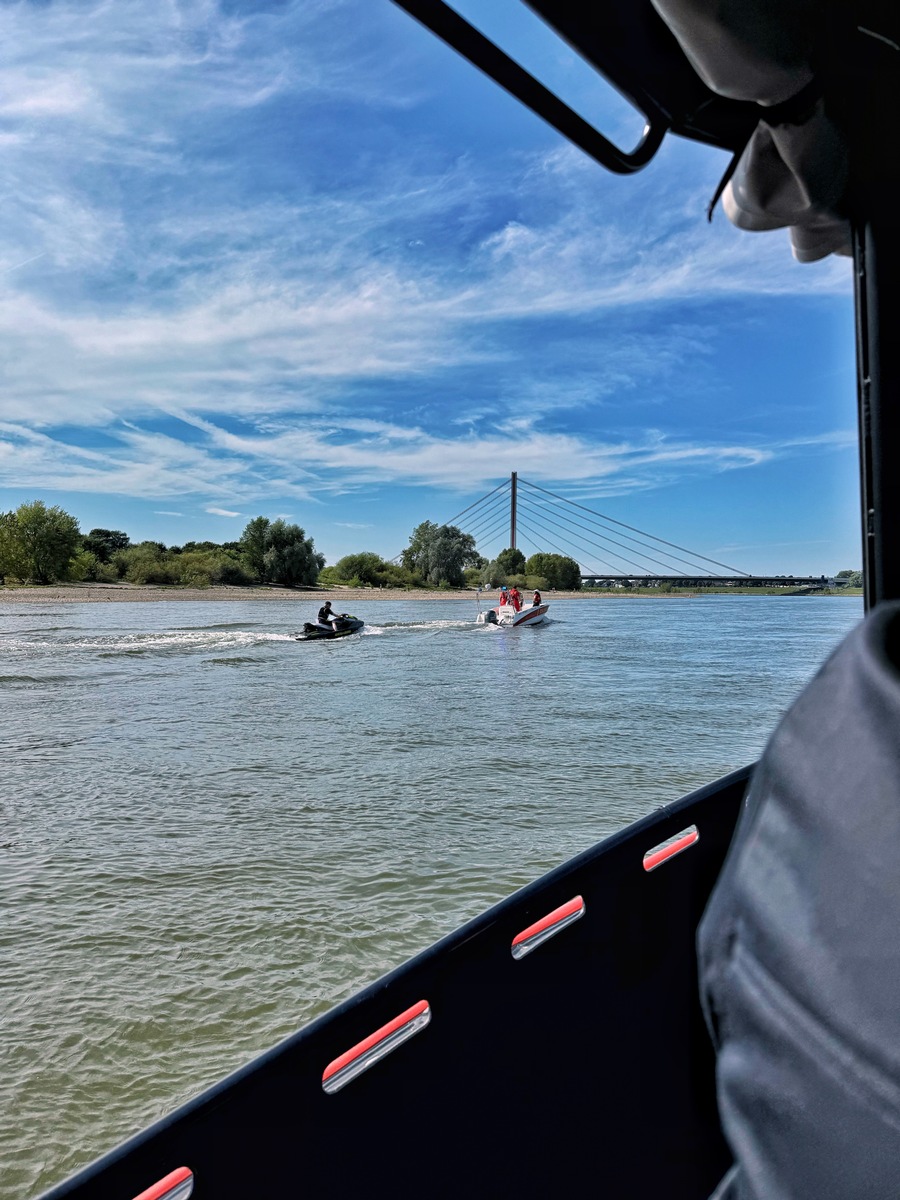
(326, 616)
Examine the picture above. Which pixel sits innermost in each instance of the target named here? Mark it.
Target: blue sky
(298, 259)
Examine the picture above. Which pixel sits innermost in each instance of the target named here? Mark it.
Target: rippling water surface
(210, 833)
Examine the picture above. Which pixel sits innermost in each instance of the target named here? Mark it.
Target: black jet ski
(343, 625)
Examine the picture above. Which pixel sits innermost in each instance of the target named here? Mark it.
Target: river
(210, 833)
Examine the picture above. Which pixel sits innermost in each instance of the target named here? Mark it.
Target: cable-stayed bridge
(519, 515)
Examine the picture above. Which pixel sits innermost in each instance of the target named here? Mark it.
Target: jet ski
(342, 626)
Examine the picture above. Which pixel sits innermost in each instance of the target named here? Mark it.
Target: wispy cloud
(229, 272)
(254, 465)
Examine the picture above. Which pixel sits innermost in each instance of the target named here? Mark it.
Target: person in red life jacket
(515, 598)
(537, 599)
(504, 595)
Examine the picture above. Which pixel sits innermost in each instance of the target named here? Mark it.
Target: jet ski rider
(326, 617)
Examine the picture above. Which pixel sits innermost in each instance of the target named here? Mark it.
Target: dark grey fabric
(800, 944)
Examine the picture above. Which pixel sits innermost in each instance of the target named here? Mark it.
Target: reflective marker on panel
(367, 1052)
(529, 939)
(177, 1185)
(666, 850)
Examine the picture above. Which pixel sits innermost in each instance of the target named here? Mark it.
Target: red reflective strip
(159, 1190)
(655, 857)
(553, 918)
(373, 1039)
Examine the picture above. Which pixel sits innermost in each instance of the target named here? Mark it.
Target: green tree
(11, 562)
(147, 562)
(328, 578)
(512, 562)
(559, 570)
(83, 565)
(366, 567)
(493, 575)
(43, 541)
(394, 575)
(103, 543)
(854, 578)
(290, 556)
(440, 553)
(253, 545)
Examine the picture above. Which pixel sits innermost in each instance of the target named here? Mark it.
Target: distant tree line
(41, 544)
(444, 556)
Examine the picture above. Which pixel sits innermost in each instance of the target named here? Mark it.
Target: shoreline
(93, 593)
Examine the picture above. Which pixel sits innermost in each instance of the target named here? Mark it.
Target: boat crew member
(515, 598)
(504, 595)
(537, 599)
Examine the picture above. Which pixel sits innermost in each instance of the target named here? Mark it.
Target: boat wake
(161, 641)
(416, 626)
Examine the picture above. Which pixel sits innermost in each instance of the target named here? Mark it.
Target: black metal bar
(448, 25)
(877, 263)
(867, 498)
(870, 87)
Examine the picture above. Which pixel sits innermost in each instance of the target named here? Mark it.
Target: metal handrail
(468, 41)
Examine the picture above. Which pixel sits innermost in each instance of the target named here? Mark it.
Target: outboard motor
(490, 617)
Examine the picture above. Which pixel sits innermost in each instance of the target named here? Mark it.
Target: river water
(210, 833)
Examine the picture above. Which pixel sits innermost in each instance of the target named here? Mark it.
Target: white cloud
(148, 278)
(42, 94)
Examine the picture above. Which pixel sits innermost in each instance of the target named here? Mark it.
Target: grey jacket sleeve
(799, 948)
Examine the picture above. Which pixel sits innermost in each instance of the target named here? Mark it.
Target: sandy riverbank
(342, 598)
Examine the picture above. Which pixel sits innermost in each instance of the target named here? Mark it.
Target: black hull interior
(586, 1059)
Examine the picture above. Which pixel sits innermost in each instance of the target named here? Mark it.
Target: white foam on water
(196, 639)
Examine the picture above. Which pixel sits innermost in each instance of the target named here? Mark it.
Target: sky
(298, 259)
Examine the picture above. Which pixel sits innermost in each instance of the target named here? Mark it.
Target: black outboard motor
(490, 617)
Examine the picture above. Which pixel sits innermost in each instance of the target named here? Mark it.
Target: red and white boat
(507, 616)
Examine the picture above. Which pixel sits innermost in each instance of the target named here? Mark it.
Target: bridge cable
(475, 504)
(504, 484)
(559, 551)
(695, 568)
(642, 532)
(600, 531)
(488, 537)
(649, 557)
(486, 516)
